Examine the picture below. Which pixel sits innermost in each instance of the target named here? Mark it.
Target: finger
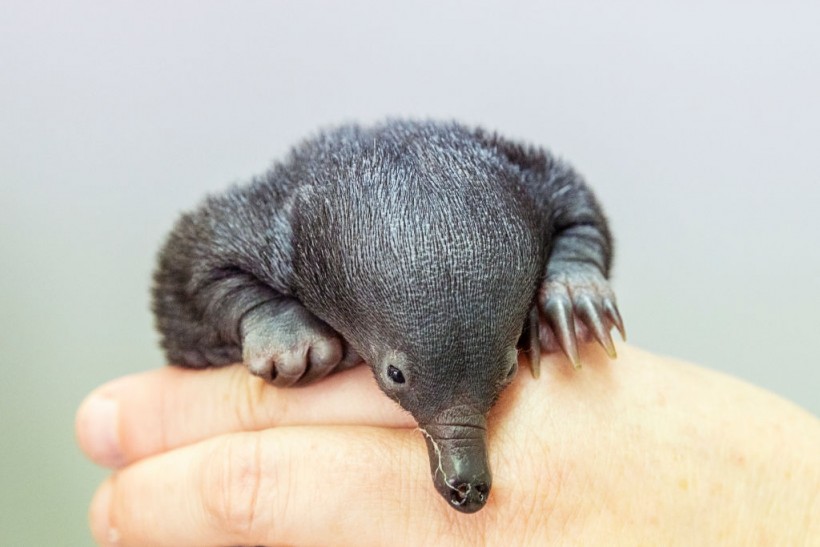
(279, 487)
(144, 414)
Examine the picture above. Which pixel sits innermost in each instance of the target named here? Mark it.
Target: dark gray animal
(428, 249)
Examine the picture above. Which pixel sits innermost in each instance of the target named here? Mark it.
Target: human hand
(640, 450)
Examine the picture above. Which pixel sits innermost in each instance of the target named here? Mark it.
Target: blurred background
(697, 123)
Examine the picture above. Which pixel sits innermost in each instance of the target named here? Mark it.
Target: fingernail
(98, 430)
(100, 517)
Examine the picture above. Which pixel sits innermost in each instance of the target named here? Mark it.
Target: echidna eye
(395, 374)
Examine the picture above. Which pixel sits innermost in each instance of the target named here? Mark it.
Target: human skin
(644, 450)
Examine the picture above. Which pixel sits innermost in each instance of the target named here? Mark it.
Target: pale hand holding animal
(642, 451)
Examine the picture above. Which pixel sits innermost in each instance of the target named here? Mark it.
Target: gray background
(697, 123)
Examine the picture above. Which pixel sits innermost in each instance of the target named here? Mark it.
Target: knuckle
(235, 480)
(255, 404)
(247, 392)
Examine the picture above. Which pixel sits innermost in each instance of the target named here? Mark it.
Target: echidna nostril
(458, 494)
